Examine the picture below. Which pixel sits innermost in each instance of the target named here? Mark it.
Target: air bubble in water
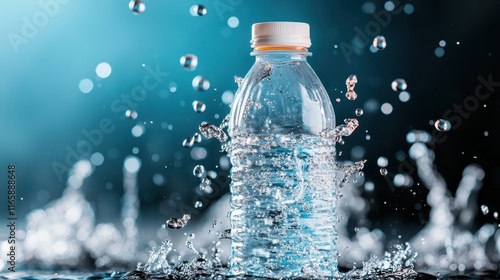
(188, 142)
(350, 83)
(399, 85)
(198, 10)
(137, 6)
(199, 106)
(199, 171)
(200, 83)
(131, 114)
(359, 112)
(485, 209)
(442, 125)
(189, 61)
(383, 171)
(379, 42)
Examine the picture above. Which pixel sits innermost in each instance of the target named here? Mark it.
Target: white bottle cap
(291, 34)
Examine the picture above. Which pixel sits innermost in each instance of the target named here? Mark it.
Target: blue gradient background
(43, 112)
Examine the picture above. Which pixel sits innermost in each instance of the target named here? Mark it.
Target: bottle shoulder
(281, 96)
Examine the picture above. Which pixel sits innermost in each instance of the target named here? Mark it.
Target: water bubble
(379, 42)
(199, 171)
(233, 22)
(200, 83)
(137, 6)
(188, 142)
(368, 8)
(399, 85)
(442, 125)
(439, 52)
(382, 162)
(442, 43)
(198, 10)
(485, 209)
(408, 9)
(131, 114)
(227, 97)
(386, 108)
(103, 70)
(389, 6)
(383, 171)
(197, 138)
(350, 83)
(404, 96)
(189, 61)
(199, 106)
(359, 112)
(86, 85)
(356, 229)
(198, 204)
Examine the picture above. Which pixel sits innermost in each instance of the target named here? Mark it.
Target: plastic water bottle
(283, 190)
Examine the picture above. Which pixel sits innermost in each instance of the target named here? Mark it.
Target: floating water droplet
(356, 229)
(200, 83)
(351, 82)
(359, 112)
(404, 96)
(188, 142)
(137, 6)
(199, 106)
(198, 204)
(175, 223)
(442, 125)
(485, 209)
(199, 171)
(189, 61)
(382, 162)
(198, 10)
(383, 171)
(379, 42)
(212, 131)
(197, 138)
(206, 182)
(495, 215)
(131, 114)
(399, 85)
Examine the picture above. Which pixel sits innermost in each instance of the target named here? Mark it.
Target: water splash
(350, 83)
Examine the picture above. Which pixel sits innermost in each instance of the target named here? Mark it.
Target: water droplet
(404, 96)
(199, 106)
(189, 61)
(197, 138)
(137, 6)
(198, 204)
(198, 10)
(495, 215)
(399, 85)
(175, 223)
(131, 114)
(200, 83)
(206, 182)
(188, 142)
(238, 80)
(212, 131)
(485, 209)
(356, 229)
(350, 83)
(199, 171)
(382, 162)
(442, 125)
(383, 171)
(359, 112)
(379, 42)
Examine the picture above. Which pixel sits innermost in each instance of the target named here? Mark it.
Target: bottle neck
(280, 53)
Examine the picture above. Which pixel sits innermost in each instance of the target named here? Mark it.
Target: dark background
(42, 110)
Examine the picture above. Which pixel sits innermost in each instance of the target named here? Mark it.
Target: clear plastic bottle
(283, 190)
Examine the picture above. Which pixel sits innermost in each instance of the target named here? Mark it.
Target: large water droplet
(485, 209)
(442, 125)
(199, 106)
(199, 171)
(189, 61)
(379, 42)
(131, 114)
(399, 85)
(200, 83)
(137, 6)
(350, 83)
(198, 10)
